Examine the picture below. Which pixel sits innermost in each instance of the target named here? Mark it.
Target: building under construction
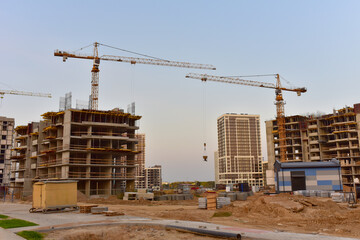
(319, 138)
(96, 148)
(6, 141)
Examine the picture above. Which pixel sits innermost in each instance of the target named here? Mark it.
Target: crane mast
(279, 100)
(95, 79)
(280, 119)
(133, 60)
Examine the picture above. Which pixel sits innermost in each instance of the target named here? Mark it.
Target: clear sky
(313, 44)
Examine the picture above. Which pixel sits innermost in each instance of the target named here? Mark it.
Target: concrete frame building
(320, 138)
(239, 158)
(153, 177)
(6, 141)
(140, 162)
(96, 148)
(24, 157)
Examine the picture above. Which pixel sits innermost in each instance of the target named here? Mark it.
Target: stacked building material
(211, 201)
(241, 196)
(222, 194)
(337, 197)
(231, 195)
(202, 203)
(99, 210)
(222, 201)
(87, 208)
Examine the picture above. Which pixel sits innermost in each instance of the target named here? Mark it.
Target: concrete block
(325, 194)
(99, 209)
(147, 196)
(222, 194)
(241, 196)
(141, 190)
(188, 196)
(231, 195)
(202, 203)
(180, 197)
(250, 193)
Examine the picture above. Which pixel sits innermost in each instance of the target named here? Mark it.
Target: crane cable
(204, 122)
(140, 54)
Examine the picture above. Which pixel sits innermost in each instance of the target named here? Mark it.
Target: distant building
(153, 178)
(6, 141)
(239, 150)
(320, 138)
(140, 161)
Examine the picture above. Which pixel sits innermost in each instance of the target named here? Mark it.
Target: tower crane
(133, 60)
(14, 92)
(279, 100)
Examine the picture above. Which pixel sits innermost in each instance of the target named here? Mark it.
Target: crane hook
(205, 155)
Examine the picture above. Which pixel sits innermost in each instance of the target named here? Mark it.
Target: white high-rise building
(239, 157)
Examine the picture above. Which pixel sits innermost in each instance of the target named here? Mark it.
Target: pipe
(206, 232)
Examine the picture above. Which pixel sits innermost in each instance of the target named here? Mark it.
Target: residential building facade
(153, 177)
(140, 161)
(239, 157)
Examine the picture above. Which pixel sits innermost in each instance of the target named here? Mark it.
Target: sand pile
(285, 211)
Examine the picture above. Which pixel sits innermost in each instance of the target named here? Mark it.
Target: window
(3, 137)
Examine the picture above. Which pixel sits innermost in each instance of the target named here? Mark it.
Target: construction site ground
(282, 212)
(282, 216)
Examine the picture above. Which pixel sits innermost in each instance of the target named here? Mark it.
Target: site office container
(55, 195)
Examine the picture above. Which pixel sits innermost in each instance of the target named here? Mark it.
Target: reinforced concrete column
(87, 188)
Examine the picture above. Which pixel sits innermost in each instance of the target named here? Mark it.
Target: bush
(3, 216)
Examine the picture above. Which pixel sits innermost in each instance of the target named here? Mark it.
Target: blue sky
(313, 44)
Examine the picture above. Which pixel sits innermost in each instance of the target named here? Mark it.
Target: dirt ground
(283, 212)
(122, 233)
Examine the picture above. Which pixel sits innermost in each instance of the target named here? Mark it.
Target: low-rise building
(294, 176)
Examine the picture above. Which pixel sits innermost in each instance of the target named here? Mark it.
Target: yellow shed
(55, 195)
